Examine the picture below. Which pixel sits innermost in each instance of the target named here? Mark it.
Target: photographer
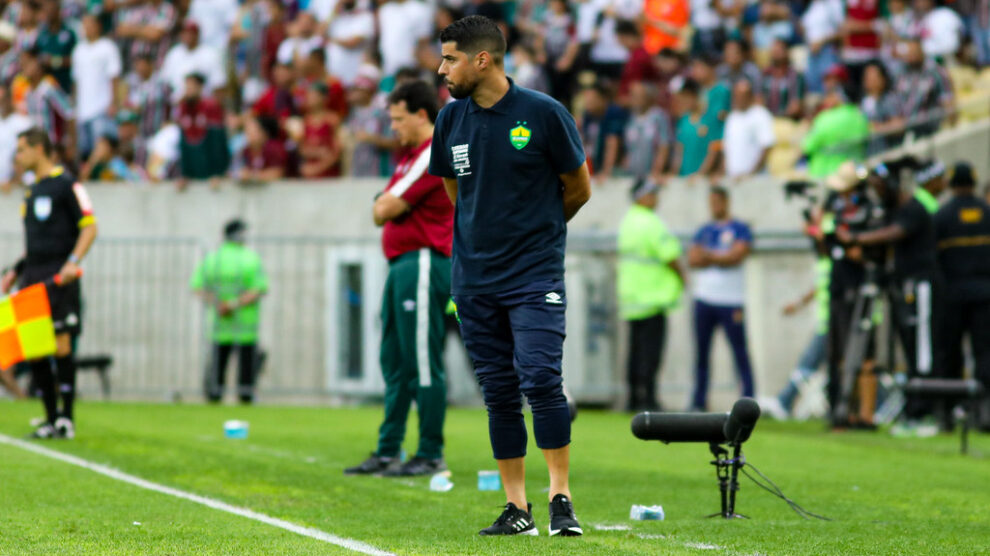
(848, 210)
(911, 233)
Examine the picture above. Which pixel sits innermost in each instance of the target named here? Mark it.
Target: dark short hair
(197, 77)
(233, 228)
(476, 33)
(626, 27)
(36, 136)
(708, 59)
(741, 42)
(719, 190)
(269, 126)
(690, 87)
(319, 54)
(602, 88)
(418, 95)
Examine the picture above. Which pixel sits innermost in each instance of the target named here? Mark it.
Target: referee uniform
(508, 255)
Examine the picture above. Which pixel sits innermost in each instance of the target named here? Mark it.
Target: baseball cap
(642, 187)
(845, 177)
(962, 175)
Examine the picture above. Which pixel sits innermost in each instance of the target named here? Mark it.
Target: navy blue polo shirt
(509, 227)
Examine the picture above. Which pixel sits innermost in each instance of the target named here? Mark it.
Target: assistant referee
(512, 162)
(59, 228)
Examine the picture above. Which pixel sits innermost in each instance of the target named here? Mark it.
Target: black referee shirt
(962, 230)
(55, 209)
(914, 255)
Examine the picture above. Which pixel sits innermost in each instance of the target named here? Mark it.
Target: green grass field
(887, 496)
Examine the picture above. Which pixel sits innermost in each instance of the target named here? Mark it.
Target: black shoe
(562, 519)
(373, 465)
(45, 432)
(513, 521)
(417, 467)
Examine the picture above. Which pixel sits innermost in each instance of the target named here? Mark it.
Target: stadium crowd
(139, 90)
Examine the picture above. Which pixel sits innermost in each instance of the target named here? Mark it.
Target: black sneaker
(416, 467)
(513, 521)
(562, 519)
(45, 432)
(373, 465)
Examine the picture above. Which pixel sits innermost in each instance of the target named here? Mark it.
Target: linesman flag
(26, 329)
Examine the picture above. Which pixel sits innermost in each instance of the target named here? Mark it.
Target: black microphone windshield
(742, 420)
(680, 427)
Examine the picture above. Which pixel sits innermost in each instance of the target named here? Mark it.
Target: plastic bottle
(646, 513)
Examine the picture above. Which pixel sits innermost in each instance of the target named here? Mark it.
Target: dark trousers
(216, 373)
(957, 320)
(646, 342)
(516, 341)
(732, 320)
(913, 305)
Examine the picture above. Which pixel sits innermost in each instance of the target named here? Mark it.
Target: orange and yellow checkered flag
(26, 329)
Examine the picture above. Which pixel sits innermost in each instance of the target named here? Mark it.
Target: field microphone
(734, 427)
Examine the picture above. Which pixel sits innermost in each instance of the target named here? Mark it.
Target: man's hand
(844, 236)
(225, 308)
(7, 281)
(70, 273)
(791, 308)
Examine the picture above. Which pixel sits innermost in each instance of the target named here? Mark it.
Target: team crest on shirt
(43, 208)
(519, 135)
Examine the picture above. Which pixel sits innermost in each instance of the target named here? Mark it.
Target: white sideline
(349, 544)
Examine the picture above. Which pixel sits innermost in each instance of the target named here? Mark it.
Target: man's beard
(461, 91)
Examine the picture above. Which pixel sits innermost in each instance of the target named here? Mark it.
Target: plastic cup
(489, 480)
(235, 429)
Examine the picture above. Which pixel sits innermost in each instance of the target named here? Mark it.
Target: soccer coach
(513, 165)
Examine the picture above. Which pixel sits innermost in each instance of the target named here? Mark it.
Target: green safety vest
(226, 274)
(823, 278)
(647, 286)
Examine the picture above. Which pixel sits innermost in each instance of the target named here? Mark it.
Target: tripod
(861, 329)
(727, 471)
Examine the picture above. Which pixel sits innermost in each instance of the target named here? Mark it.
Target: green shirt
(823, 275)
(647, 285)
(837, 135)
(695, 134)
(226, 274)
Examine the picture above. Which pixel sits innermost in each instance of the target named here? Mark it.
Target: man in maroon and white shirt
(861, 40)
(418, 220)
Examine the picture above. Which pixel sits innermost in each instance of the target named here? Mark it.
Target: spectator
(350, 32)
(698, 133)
(939, 29)
(882, 109)
(838, 133)
(149, 95)
(670, 73)
(715, 95)
(718, 252)
(11, 125)
(608, 55)
(216, 19)
(133, 145)
(303, 38)
(749, 134)
(9, 57)
(145, 29)
(248, 45)
(861, 40)
(640, 66)
(924, 91)
(56, 42)
(191, 56)
(96, 71)
(650, 282)
(264, 157)
(275, 34)
(401, 25)
(648, 133)
(602, 125)
(28, 26)
(527, 72)
(900, 28)
(560, 49)
(163, 154)
(664, 23)
(822, 23)
(737, 65)
(781, 88)
(314, 70)
(709, 35)
(774, 24)
(105, 163)
(203, 151)
(369, 123)
(278, 102)
(319, 148)
(976, 15)
(46, 104)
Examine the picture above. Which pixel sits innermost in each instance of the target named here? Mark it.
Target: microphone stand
(727, 471)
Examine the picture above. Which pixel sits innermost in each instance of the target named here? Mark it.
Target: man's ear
(482, 60)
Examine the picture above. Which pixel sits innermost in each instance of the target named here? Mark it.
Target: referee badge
(519, 135)
(43, 208)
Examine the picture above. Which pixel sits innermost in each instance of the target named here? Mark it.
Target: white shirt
(215, 19)
(94, 67)
(321, 9)
(940, 31)
(401, 25)
(10, 128)
(747, 134)
(180, 62)
(822, 19)
(344, 62)
(704, 16)
(297, 46)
